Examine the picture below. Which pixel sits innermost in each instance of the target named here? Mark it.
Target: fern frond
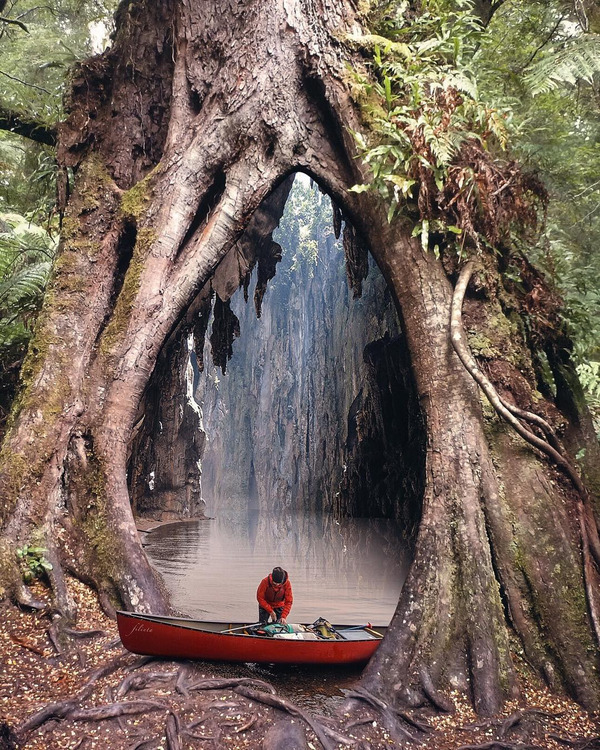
(25, 288)
(578, 60)
(462, 83)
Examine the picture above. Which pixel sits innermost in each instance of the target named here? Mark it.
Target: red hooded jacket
(271, 595)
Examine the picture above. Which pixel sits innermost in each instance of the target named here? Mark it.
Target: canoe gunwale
(174, 637)
(195, 625)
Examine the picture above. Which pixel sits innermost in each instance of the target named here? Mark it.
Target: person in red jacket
(274, 596)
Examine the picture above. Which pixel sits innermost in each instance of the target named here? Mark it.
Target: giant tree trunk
(176, 135)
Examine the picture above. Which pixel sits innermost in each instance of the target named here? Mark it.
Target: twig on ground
(250, 723)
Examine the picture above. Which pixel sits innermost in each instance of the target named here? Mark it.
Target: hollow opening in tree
(310, 408)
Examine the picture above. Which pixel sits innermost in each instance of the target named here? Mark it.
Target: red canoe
(182, 638)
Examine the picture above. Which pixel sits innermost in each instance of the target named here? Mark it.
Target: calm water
(347, 572)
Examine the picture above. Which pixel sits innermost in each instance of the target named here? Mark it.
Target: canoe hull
(172, 637)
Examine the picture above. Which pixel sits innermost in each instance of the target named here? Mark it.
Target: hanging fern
(433, 146)
(577, 60)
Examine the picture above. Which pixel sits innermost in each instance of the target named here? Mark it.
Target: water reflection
(349, 571)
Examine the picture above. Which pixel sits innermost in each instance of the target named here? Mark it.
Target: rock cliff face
(316, 411)
(164, 471)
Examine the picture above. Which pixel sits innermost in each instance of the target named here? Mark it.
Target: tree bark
(177, 134)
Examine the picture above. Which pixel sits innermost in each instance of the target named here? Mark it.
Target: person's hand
(282, 620)
(272, 618)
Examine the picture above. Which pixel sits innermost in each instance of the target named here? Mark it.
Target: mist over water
(348, 572)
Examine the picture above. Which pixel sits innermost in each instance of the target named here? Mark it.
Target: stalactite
(357, 259)
(200, 327)
(337, 219)
(225, 328)
(268, 257)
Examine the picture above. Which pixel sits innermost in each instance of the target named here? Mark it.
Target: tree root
(499, 745)
(505, 725)
(84, 633)
(196, 736)
(173, 732)
(53, 637)
(104, 600)
(24, 598)
(216, 683)
(180, 685)
(275, 702)
(245, 727)
(139, 682)
(389, 716)
(505, 410)
(588, 743)
(145, 744)
(434, 696)
(114, 710)
(358, 723)
(61, 708)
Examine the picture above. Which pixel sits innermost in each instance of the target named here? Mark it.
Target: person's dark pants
(263, 615)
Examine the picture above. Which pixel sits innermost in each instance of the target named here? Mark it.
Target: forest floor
(82, 690)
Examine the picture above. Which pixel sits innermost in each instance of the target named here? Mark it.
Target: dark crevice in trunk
(315, 91)
(125, 250)
(164, 475)
(211, 199)
(385, 447)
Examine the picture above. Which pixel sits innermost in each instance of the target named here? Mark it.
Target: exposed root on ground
(122, 702)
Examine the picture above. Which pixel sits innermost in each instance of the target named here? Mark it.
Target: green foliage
(574, 61)
(537, 60)
(540, 73)
(26, 254)
(429, 130)
(35, 63)
(32, 562)
(305, 224)
(27, 179)
(37, 51)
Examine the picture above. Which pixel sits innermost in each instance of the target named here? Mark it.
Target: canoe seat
(357, 635)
